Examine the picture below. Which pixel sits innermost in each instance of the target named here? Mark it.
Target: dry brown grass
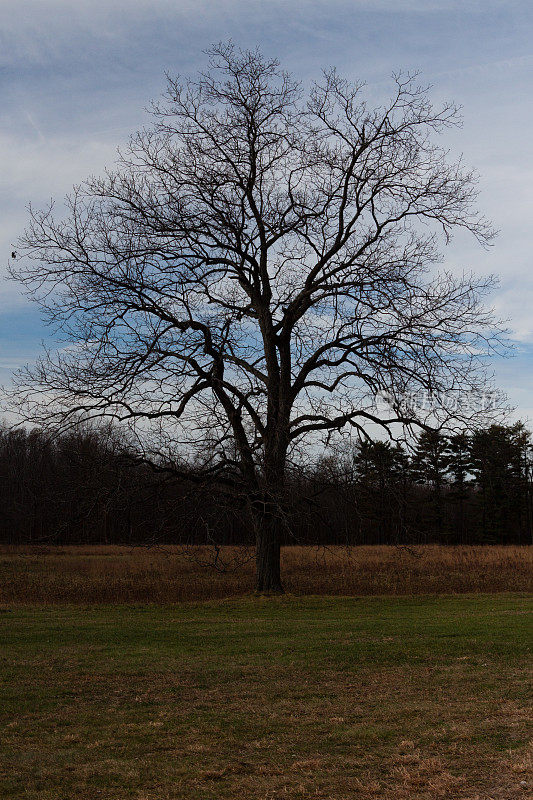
(110, 574)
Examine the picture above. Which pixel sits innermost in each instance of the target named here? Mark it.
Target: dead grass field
(316, 698)
(172, 574)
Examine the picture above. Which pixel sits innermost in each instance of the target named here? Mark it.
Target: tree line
(91, 485)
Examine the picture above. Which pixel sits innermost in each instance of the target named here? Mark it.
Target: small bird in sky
(13, 254)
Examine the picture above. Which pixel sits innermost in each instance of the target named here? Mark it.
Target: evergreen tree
(459, 466)
(381, 471)
(501, 457)
(430, 464)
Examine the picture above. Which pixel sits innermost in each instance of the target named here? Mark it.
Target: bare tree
(258, 266)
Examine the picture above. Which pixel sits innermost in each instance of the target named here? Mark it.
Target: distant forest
(91, 487)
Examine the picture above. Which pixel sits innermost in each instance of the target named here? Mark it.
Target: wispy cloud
(76, 76)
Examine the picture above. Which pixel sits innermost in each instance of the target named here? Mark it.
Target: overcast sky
(76, 76)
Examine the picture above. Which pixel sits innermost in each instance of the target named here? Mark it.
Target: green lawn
(293, 698)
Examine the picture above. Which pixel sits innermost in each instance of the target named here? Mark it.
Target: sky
(76, 78)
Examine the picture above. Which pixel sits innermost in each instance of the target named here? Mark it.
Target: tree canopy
(258, 266)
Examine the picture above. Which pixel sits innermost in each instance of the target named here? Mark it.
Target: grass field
(409, 698)
(173, 574)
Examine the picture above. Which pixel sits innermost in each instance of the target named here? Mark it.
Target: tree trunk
(267, 554)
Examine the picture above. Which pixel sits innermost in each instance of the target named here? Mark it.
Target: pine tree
(501, 464)
(381, 471)
(430, 464)
(459, 466)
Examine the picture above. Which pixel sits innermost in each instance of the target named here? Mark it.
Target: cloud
(77, 75)
(37, 171)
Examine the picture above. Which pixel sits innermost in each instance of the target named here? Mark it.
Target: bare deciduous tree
(258, 266)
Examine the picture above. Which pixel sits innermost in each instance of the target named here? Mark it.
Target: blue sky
(76, 77)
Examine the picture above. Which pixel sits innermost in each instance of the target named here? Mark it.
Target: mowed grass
(110, 574)
(316, 697)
